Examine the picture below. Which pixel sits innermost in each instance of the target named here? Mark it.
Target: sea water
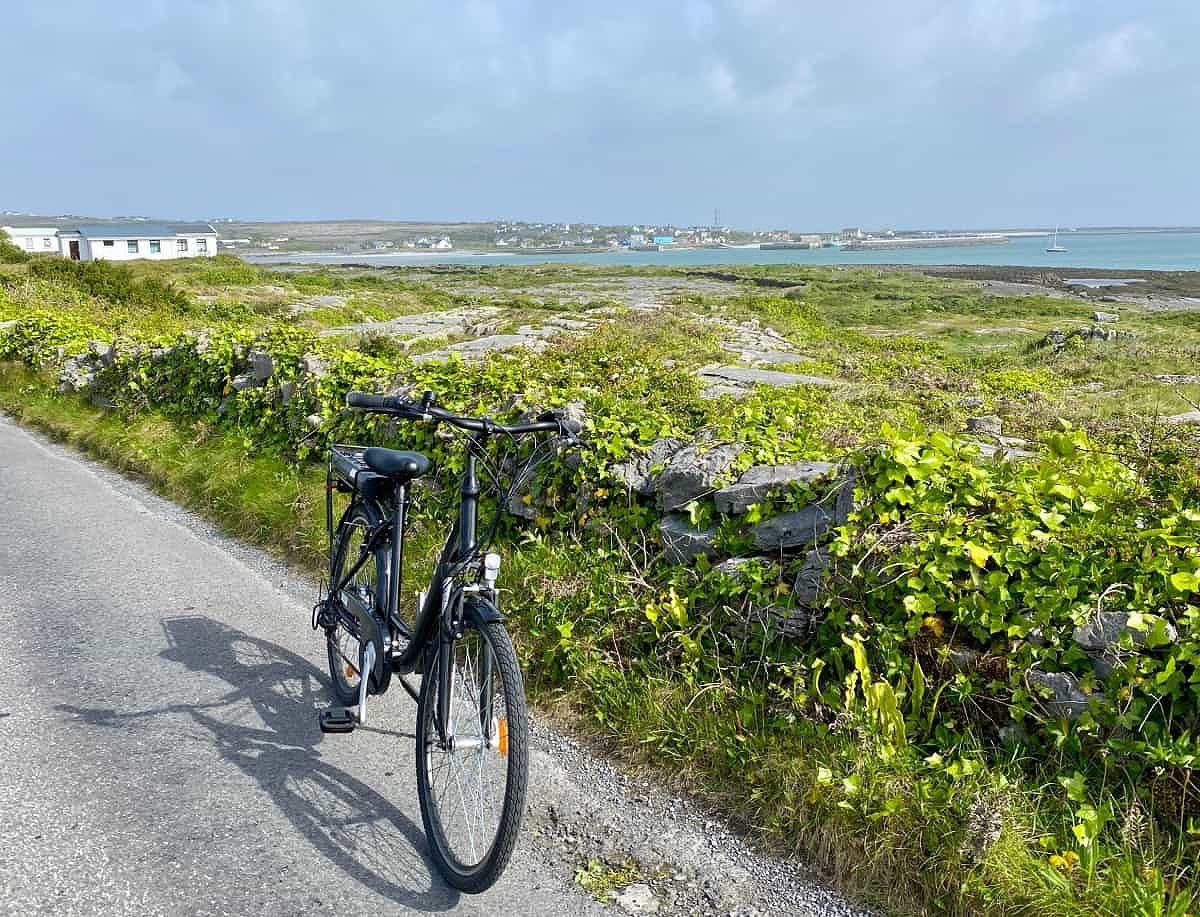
(1158, 251)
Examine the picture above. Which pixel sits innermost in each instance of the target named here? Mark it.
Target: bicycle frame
(438, 608)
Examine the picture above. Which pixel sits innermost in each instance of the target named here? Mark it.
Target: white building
(128, 241)
(34, 239)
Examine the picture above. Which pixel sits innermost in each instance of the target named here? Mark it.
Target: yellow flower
(935, 624)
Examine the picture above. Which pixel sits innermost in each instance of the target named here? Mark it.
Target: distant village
(129, 238)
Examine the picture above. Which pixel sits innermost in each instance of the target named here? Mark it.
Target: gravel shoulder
(158, 698)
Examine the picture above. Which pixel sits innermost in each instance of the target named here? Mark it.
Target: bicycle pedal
(338, 719)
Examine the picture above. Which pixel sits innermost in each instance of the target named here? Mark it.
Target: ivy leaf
(1186, 581)
(1051, 519)
(979, 555)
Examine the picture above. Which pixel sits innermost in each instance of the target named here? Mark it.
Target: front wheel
(472, 774)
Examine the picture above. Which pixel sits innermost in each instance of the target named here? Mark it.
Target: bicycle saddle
(397, 464)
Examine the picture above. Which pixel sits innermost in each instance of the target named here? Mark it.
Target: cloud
(922, 113)
(1095, 66)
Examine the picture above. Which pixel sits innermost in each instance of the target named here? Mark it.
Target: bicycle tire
(511, 745)
(344, 652)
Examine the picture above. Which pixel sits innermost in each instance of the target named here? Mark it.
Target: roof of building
(30, 230)
(142, 230)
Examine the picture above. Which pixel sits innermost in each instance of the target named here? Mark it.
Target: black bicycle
(472, 728)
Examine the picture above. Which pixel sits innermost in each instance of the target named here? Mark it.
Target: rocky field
(896, 569)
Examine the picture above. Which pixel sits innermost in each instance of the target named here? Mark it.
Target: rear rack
(346, 463)
(341, 474)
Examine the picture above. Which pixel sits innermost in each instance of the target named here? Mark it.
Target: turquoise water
(1144, 251)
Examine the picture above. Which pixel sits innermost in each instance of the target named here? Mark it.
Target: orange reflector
(502, 732)
(351, 671)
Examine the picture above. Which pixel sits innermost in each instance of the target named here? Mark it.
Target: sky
(792, 114)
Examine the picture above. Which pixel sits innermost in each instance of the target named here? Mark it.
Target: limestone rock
(760, 481)
(640, 473)
(637, 899)
(1105, 317)
(989, 424)
(287, 391)
(1103, 633)
(314, 421)
(313, 366)
(244, 381)
(793, 530)
(735, 567)
(77, 375)
(262, 365)
(104, 353)
(1066, 700)
(796, 623)
(682, 542)
(519, 508)
(1188, 418)
(748, 378)
(693, 472)
(1003, 452)
(811, 578)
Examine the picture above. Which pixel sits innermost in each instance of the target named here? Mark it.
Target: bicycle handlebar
(424, 409)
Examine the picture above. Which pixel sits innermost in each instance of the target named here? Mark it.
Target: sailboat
(1054, 246)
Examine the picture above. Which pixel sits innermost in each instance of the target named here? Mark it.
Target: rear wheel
(472, 786)
(343, 647)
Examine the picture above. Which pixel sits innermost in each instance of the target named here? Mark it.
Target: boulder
(287, 391)
(843, 504)
(971, 402)
(775, 620)
(962, 658)
(103, 352)
(638, 898)
(262, 365)
(313, 366)
(1003, 452)
(244, 381)
(760, 481)
(988, 424)
(811, 578)
(1103, 633)
(748, 378)
(1188, 418)
(314, 421)
(1054, 339)
(77, 375)
(1106, 317)
(682, 542)
(693, 472)
(793, 530)
(1066, 699)
(735, 567)
(519, 508)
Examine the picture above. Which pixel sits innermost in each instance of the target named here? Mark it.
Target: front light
(491, 569)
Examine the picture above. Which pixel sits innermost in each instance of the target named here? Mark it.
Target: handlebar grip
(368, 402)
(571, 427)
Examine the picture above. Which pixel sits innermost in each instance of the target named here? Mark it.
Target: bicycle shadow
(348, 822)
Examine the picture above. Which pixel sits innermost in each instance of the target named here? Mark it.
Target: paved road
(159, 752)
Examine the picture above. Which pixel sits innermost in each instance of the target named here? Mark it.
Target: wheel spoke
(467, 781)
